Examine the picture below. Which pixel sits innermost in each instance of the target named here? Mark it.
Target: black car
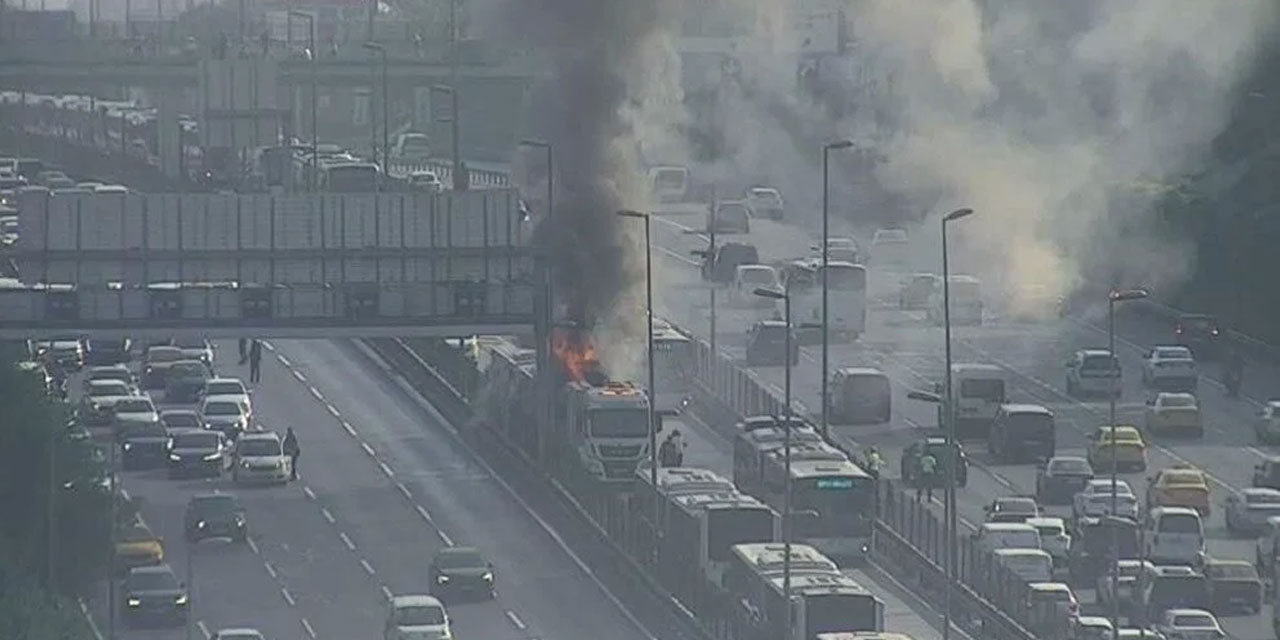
(767, 344)
(458, 571)
(184, 381)
(102, 352)
(1061, 478)
(1234, 587)
(181, 419)
(1199, 332)
(937, 447)
(154, 595)
(197, 452)
(144, 445)
(723, 265)
(215, 515)
(1091, 545)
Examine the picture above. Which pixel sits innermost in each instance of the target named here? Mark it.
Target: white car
(1012, 509)
(1174, 413)
(111, 372)
(195, 349)
(1130, 572)
(749, 277)
(1053, 537)
(259, 458)
(1092, 628)
(765, 202)
(100, 398)
(840, 250)
(1267, 425)
(889, 247)
(1190, 624)
(136, 409)
(1095, 499)
(1249, 510)
(232, 387)
(237, 634)
(426, 180)
(417, 617)
(1170, 367)
(1093, 372)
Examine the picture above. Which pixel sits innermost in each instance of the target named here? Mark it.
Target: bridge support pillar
(169, 104)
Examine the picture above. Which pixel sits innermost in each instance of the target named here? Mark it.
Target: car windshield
(226, 388)
(1016, 505)
(1233, 571)
(773, 333)
(1179, 523)
(1178, 401)
(164, 355)
(1184, 478)
(137, 533)
(1104, 487)
(134, 405)
(201, 440)
(890, 236)
(766, 196)
(214, 505)
(1173, 353)
(259, 447)
(1193, 620)
(1049, 530)
(419, 615)
(461, 559)
(152, 581)
(1099, 362)
(108, 388)
(181, 420)
(190, 343)
(189, 369)
(758, 276)
(988, 389)
(221, 409)
(731, 212)
(669, 178)
(1070, 466)
(146, 430)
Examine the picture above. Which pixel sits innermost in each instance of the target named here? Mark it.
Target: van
(966, 302)
(860, 395)
(1093, 372)
(1006, 535)
(669, 183)
(1161, 588)
(978, 391)
(1173, 536)
(1031, 565)
(1022, 432)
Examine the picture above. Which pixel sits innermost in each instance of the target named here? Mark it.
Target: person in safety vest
(928, 475)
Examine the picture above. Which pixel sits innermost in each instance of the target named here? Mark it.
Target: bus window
(843, 504)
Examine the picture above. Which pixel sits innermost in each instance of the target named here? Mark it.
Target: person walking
(667, 453)
(255, 361)
(292, 450)
(244, 351)
(874, 462)
(928, 476)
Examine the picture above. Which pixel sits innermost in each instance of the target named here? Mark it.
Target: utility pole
(458, 178)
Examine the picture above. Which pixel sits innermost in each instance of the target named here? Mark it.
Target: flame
(576, 354)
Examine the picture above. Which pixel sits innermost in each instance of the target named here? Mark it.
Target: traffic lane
(361, 504)
(537, 577)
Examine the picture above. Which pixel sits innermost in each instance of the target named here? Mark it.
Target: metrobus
(846, 297)
(832, 498)
(350, 177)
(753, 444)
(673, 363)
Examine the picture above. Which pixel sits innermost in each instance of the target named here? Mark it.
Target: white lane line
(386, 591)
(298, 374)
(124, 494)
(316, 392)
(677, 256)
(404, 491)
(333, 411)
(311, 495)
(386, 470)
(368, 449)
(93, 626)
(444, 537)
(268, 345)
(346, 426)
(204, 631)
(271, 569)
(253, 546)
(327, 516)
(306, 626)
(288, 597)
(368, 568)
(515, 620)
(284, 361)
(346, 540)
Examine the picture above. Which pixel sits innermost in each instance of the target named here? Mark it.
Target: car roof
(179, 412)
(771, 323)
(1050, 587)
(1003, 527)
(1026, 408)
(414, 600)
(1190, 611)
(1093, 351)
(1260, 491)
(107, 382)
(1021, 552)
(240, 631)
(1156, 512)
(223, 379)
(1070, 459)
(1018, 500)
(1177, 394)
(1046, 521)
(458, 551)
(155, 569)
(260, 435)
(1170, 347)
(1093, 621)
(860, 371)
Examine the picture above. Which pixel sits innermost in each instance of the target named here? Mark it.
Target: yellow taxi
(1122, 442)
(136, 547)
(1179, 486)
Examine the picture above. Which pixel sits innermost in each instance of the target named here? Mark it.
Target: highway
(910, 351)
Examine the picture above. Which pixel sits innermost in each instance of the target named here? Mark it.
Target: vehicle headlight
(134, 602)
(180, 600)
(128, 446)
(175, 457)
(200, 524)
(488, 577)
(244, 465)
(279, 464)
(442, 580)
(239, 520)
(212, 456)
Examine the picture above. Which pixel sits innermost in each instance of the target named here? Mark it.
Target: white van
(966, 302)
(1032, 565)
(1006, 535)
(669, 183)
(978, 391)
(1173, 535)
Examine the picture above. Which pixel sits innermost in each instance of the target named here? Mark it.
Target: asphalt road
(910, 351)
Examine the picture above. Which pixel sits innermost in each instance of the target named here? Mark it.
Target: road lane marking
(333, 411)
(404, 491)
(88, 616)
(327, 516)
(368, 449)
(253, 546)
(298, 374)
(271, 569)
(386, 470)
(346, 540)
(444, 537)
(386, 591)
(311, 495)
(316, 392)
(346, 426)
(288, 597)
(284, 361)
(368, 568)
(515, 620)
(306, 626)
(124, 494)
(204, 631)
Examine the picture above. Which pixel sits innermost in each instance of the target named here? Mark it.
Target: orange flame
(576, 354)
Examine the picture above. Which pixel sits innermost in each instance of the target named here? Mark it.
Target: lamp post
(648, 286)
(386, 111)
(826, 234)
(787, 515)
(111, 541)
(453, 93)
(1113, 297)
(314, 174)
(948, 408)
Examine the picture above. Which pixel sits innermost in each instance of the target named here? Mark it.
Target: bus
(755, 441)
(832, 498)
(350, 177)
(846, 298)
(673, 364)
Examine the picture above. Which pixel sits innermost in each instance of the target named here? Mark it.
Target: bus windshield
(834, 612)
(351, 178)
(846, 278)
(619, 423)
(842, 504)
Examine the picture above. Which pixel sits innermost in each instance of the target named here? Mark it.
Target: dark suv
(215, 515)
(767, 344)
(936, 446)
(1199, 332)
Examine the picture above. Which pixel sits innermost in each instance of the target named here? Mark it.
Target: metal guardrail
(479, 178)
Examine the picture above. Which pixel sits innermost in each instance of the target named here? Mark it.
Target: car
(181, 419)
(765, 201)
(215, 515)
(237, 634)
(156, 362)
(890, 247)
(134, 409)
(1046, 603)
(100, 351)
(137, 546)
(457, 571)
(1019, 431)
(153, 594)
(425, 180)
(749, 277)
(767, 344)
(729, 216)
(416, 616)
(1060, 478)
(197, 452)
(143, 445)
(111, 372)
(723, 263)
(1125, 582)
(1094, 500)
(1190, 624)
(184, 380)
(1135, 633)
(1267, 424)
(1093, 543)
(1267, 473)
(1179, 486)
(1012, 509)
(1121, 444)
(195, 349)
(228, 415)
(1091, 628)
(97, 405)
(917, 289)
(259, 458)
(1094, 372)
(937, 446)
(839, 250)
(219, 386)
(1199, 332)
(1248, 510)
(1172, 368)
(1054, 538)
(1174, 413)
(1234, 587)
(1266, 546)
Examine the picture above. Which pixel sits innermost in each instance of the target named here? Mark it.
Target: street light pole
(826, 235)
(313, 177)
(1113, 297)
(648, 286)
(386, 113)
(111, 540)
(453, 95)
(948, 408)
(787, 515)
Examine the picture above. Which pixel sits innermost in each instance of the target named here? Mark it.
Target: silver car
(259, 458)
(1248, 510)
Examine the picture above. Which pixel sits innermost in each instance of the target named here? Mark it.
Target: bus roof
(821, 583)
(973, 367)
(863, 635)
(685, 480)
(716, 501)
(767, 558)
(816, 468)
(772, 438)
(810, 451)
(861, 371)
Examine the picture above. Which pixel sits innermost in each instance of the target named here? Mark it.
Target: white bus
(350, 177)
(846, 298)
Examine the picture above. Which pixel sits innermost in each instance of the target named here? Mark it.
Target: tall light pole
(313, 177)
(111, 541)
(948, 407)
(386, 111)
(648, 286)
(787, 515)
(1113, 297)
(453, 95)
(826, 235)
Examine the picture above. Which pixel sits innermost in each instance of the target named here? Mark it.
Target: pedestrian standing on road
(244, 350)
(292, 450)
(928, 475)
(255, 361)
(667, 453)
